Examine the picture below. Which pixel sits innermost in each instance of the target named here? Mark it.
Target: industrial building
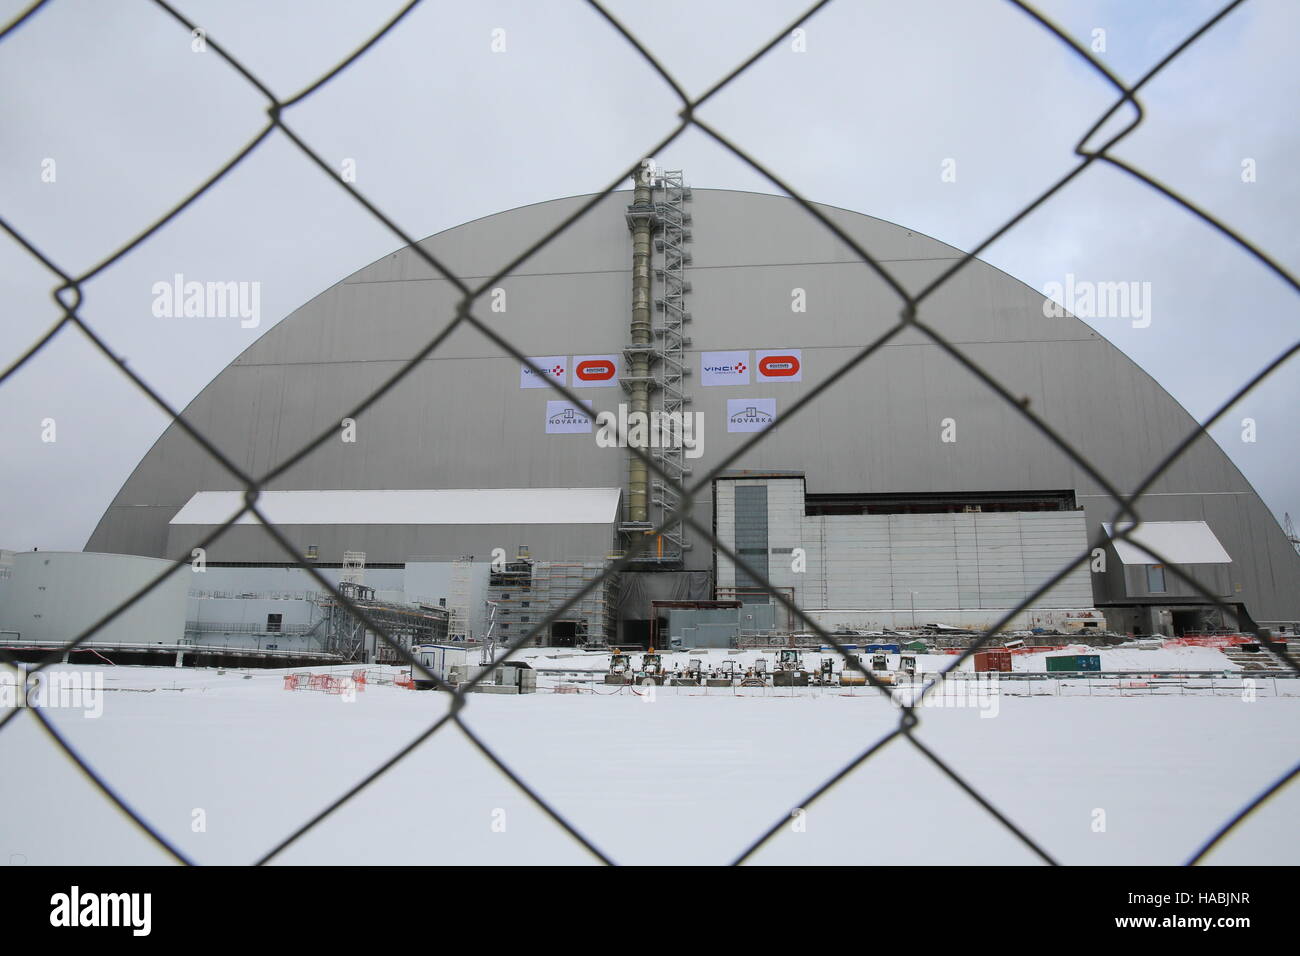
(908, 493)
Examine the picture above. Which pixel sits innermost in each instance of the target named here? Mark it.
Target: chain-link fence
(68, 296)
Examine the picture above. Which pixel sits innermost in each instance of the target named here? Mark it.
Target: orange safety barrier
(1208, 640)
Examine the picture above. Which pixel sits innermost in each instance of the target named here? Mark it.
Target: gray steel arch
(876, 430)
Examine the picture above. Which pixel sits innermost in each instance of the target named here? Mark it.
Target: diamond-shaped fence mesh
(911, 315)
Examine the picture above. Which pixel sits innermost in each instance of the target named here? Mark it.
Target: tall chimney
(641, 220)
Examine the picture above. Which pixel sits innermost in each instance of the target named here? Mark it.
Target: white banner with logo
(778, 365)
(565, 418)
(724, 368)
(595, 371)
(554, 369)
(750, 414)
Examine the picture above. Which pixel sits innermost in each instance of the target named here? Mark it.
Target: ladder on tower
(673, 237)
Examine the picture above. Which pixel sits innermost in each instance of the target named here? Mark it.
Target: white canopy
(442, 506)
(1180, 542)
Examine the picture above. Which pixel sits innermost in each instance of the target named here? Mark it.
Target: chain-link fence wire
(1125, 521)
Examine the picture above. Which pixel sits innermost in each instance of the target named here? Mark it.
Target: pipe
(641, 215)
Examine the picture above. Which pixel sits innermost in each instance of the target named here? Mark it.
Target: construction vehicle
(880, 668)
(789, 659)
(689, 676)
(620, 669)
(723, 676)
(756, 674)
(789, 669)
(851, 676)
(651, 669)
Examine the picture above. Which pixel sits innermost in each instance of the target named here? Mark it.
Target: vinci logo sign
(750, 414)
(595, 371)
(554, 369)
(565, 418)
(724, 368)
(778, 365)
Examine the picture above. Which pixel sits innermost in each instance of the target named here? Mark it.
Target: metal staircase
(665, 364)
(670, 333)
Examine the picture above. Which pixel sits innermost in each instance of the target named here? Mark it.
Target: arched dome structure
(872, 446)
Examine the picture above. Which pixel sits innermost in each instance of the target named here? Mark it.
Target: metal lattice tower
(354, 567)
(673, 237)
(458, 602)
(1289, 527)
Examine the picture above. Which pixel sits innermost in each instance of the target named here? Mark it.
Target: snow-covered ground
(676, 778)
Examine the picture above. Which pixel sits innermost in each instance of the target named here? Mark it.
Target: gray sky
(443, 130)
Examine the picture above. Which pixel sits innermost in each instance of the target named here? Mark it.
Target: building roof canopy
(1180, 542)
(416, 506)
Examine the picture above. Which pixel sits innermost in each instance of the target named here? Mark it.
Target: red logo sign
(778, 366)
(594, 370)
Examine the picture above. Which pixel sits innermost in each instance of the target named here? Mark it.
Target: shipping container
(1075, 662)
(997, 659)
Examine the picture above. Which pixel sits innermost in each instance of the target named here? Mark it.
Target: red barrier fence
(326, 683)
(1209, 640)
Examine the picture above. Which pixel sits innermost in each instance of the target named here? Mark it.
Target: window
(273, 622)
(1156, 578)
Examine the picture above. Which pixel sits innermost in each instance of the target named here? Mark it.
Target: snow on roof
(1181, 542)
(441, 506)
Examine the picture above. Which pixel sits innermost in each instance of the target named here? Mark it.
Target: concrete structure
(689, 624)
(48, 598)
(980, 564)
(469, 418)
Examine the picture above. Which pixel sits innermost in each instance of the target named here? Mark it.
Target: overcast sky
(443, 130)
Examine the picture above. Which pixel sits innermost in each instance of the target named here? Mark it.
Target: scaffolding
(458, 606)
(663, 363)
(674, 235)
(524, 592)
(510, 591)
(589, 622)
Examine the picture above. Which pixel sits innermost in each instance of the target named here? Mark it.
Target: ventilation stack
(655, 358)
